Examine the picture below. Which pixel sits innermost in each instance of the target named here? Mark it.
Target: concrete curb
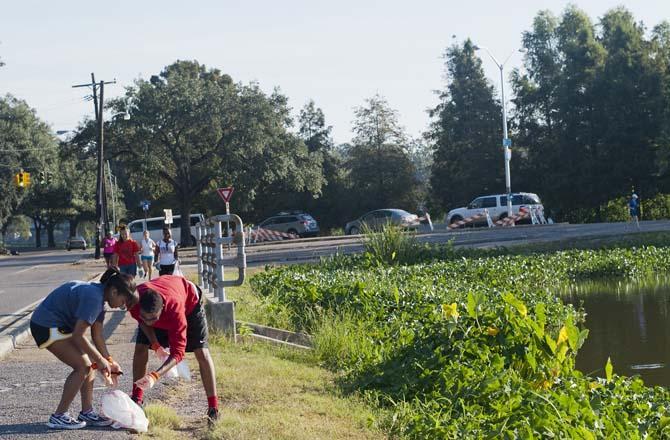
(16, 332)
(276, 335)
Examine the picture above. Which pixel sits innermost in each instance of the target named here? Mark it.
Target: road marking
(26, 269)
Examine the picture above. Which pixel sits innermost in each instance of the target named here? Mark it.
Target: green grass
(250, 307)
(163, 422)
(277, 393)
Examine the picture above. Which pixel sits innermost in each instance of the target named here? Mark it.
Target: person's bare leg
(67, 352)
(140, 360)
(151, 268)
(86, 389)
(207, 373)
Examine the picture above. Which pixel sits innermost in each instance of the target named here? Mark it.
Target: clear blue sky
(337, 53)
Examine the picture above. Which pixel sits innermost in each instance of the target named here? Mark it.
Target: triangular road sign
(225, 193)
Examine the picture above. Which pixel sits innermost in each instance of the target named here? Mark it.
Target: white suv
(497, 206)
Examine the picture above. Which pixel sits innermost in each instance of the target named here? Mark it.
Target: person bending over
(58, 325)
(170, 314)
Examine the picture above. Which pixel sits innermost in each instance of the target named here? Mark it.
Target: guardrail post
(211, 274)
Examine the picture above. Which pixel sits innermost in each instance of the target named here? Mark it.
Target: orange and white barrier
(510, 221)
(466, 220)
(259, 235)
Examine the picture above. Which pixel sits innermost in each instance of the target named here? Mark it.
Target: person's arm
(115, 255)
(138, 251)
(85, 346)
(176, 252)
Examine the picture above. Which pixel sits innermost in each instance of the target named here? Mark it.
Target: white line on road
(26, 269)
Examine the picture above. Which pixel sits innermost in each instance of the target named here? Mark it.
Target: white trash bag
(181, 370)
(177, 270)
(119, 407)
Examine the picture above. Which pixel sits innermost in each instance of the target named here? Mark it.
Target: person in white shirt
(167, 253)
(147, 255)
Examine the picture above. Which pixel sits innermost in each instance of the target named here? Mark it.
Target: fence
(210, 241)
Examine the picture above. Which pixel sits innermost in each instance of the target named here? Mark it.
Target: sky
(337, 53)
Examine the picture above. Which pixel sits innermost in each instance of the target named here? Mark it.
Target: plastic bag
(172, 373)
(119, 407)
(177, 271)
(181, 370)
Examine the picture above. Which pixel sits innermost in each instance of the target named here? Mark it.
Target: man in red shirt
(170, 315)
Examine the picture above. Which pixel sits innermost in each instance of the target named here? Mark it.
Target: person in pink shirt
(108, 248)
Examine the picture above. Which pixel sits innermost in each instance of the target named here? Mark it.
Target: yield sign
(225, 193)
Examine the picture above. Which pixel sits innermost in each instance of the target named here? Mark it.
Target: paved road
(30, 276)
(313, 249)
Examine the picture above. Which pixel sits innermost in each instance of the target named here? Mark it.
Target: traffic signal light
(43, 178)
(22, 179)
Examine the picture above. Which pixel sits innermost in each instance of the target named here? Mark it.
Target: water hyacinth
(473, 347)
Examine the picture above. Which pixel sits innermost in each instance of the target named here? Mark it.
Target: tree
(381, 173)
(465, 133)
(192, 129)
(27, 143)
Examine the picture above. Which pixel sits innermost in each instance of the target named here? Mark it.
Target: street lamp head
(476, 47)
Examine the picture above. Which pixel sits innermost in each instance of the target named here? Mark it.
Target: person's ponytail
(122, 282)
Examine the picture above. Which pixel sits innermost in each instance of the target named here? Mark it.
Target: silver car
(292, 222)
(77, 242)
(375, 220)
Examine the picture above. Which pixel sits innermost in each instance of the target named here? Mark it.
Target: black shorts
(166, 269)
(196, 332)
(45, 336)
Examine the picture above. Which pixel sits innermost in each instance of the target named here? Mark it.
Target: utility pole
(100, 195)
(111, 188)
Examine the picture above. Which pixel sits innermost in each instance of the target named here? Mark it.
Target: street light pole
(507, 142)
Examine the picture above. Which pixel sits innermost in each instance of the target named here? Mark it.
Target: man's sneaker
(92, 418)
(64, 421)
(212, 416)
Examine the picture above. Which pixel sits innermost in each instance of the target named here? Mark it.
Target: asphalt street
(312, 249)
(30, 276)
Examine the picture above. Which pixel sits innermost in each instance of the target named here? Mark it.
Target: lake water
(630, 323)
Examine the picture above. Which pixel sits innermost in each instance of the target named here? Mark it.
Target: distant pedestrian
(108, 249)
(170, 314)
(634, 209)
(148, 252)
(59, 323)
(126, 253)
(167, 253)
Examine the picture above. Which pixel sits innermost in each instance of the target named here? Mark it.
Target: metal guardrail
(210, 241)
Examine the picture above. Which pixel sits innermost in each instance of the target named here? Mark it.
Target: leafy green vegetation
(477, 346)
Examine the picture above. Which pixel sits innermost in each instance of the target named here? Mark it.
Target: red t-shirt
(126, 251)
(180, 297)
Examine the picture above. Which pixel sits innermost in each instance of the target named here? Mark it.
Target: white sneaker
(64, 421)
(92, 418)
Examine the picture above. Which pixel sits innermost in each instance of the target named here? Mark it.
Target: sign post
(145, 207)
(168, 217)
(226, 193)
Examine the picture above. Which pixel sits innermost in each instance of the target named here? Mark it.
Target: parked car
(376, 219)
(497, 206)
(292, 222)
(77, 242)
